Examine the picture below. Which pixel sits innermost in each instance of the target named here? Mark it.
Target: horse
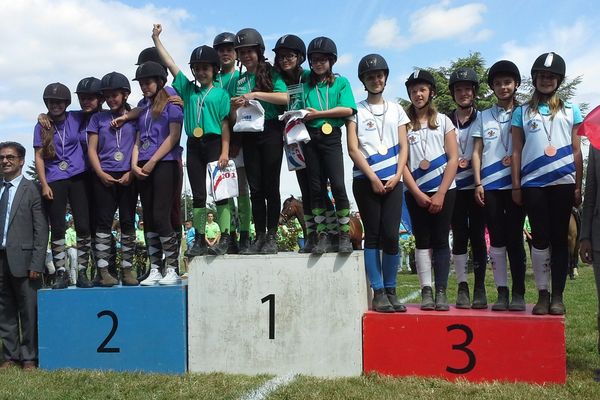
(292, 208)
(573, 241)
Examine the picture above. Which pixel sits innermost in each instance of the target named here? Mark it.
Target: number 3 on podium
(464, 348)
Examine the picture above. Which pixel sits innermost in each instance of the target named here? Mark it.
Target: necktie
(4, 210)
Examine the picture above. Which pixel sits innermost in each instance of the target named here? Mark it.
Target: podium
(118, 328)
(476, 345)
(277, 314)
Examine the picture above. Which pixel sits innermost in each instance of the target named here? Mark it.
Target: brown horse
(292, 208)
(573, 242)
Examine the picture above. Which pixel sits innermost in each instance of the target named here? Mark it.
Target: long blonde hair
(432, 113)
(555, 103)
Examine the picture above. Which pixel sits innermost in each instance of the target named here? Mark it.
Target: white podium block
(277, 314)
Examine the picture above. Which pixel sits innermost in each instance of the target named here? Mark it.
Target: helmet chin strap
(465, 107)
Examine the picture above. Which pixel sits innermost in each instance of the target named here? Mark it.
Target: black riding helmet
(205, 54)
(372, 62)
(115, 81)
(151, 69)
(323, 45)
(149, 54)
(249, 37)
(90, 85)
(291, 42)
(223, 39)
(420, 76)
(550, 62)
(463, 74)
(57, 91)
(504, 67)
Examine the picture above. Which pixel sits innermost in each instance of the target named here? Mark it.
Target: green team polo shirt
(340, 95)
(215, 107)
(212, 230)
(227, 81)
(246, 83)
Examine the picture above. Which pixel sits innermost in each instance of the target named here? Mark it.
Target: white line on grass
(410, 297)
(270, 386)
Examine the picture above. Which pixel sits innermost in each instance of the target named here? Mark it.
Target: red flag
(590, 127)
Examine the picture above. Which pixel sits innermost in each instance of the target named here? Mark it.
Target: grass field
(582, 359)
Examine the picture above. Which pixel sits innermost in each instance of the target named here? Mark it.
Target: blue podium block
(119, 328)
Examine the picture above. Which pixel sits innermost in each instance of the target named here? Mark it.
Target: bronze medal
(198, 132)
(63, 165)
(118, 156)
(550, 151)
(463, 163)
(326, 128)
(506, 160)
(424, 165)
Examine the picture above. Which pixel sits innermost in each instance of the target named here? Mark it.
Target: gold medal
(424, 165)
(550, 151)
(63, 165)
(198, 132)
(326, 128)
(463, 163)
(382, 149)
(506, 160)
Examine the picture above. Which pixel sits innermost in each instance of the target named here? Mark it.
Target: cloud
(436, 22)
(344, 59)
(67, 40)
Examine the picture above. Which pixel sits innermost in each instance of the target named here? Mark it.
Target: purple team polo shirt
(153, 132)
(114, 145)
(68, 149)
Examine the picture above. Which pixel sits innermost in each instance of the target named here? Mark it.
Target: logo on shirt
(491, 134)
(370, 125)
(413, 139)
(533, 126)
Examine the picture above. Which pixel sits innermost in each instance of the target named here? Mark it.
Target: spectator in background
(212, 231)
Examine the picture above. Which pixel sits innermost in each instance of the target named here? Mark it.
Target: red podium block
(476, 345)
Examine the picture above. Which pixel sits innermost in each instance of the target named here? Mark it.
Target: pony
(292, 208)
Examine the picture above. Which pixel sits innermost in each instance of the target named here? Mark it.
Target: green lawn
(582, 359)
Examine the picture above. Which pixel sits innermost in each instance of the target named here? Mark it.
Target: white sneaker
(171, 278)
(153, 278)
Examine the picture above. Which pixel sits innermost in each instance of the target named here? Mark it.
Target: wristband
(479, 184)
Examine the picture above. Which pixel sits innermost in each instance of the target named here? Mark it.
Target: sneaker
(170, 278)
(153, 278)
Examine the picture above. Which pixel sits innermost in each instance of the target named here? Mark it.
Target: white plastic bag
(295, 130)
(250, 118)
(221, 184)
(294, 156)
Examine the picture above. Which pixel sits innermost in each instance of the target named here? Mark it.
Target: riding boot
(309, 243)
(220, 248)
(233, 247)
(542, 307)
(381, 303)
(517, 303)
(391, 295)
(344, 246)
(270, 245)
(462, 297)
(502, 303)
(479, 298)
(334, 242)
(427, 302)
(244, 242)
(59, 255)
(557, 307)
(127, 250)
(323, 244)
(255, 247)
(199, 247)
(441, 300)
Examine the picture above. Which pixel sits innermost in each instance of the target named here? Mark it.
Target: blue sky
(66, 40)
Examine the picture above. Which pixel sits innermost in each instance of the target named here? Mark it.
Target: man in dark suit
(23, 242)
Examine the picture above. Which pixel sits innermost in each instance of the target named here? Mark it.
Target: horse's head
(291, 208)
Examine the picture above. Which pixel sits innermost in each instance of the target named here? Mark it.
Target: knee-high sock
(199, 220)
(59, 254)
(460, 266)
(373, 267)
(102, 249)
(244, 212)
(498, 259)
(127, 250)
(154, 249)
(390, 264)
(423, 262)
(171, 250)
(540, 263)
(320, 219)
(343, 220)
(83, 252)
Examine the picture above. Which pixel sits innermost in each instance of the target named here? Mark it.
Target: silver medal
(63, 165)
(146, 145)
(118, 156)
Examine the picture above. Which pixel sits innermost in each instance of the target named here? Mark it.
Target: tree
(32, 172)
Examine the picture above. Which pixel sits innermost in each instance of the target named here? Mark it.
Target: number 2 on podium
(271, 299)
